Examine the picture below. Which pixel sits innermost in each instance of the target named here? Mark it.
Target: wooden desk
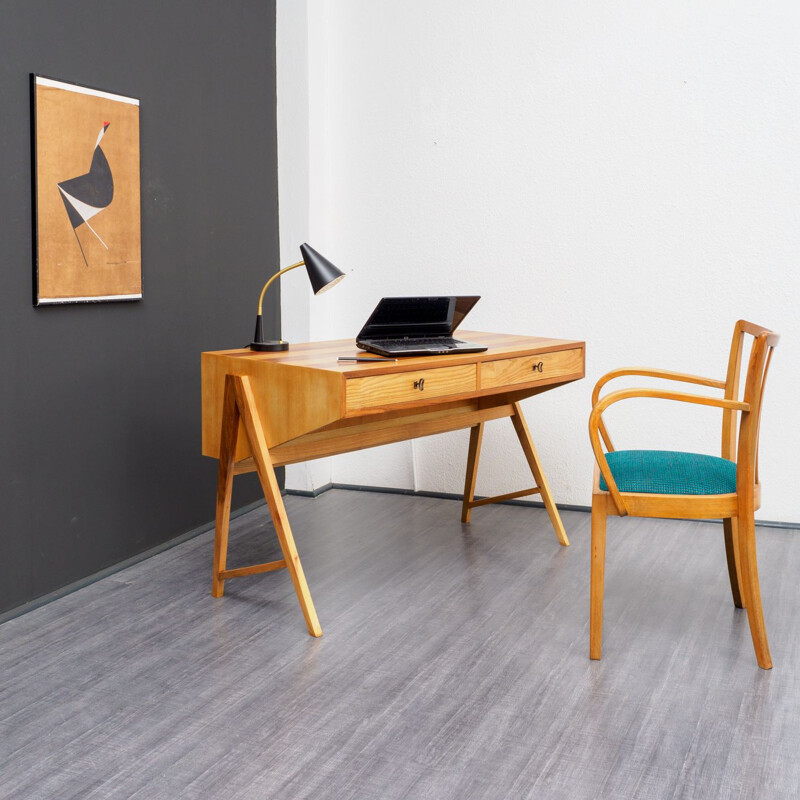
(264, 410)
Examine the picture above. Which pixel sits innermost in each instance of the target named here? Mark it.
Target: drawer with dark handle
(529, 369)
(409, 387)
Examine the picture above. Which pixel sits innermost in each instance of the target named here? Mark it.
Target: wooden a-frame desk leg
(475, 439)
(542, 486)
(239, 404)
(524, 435)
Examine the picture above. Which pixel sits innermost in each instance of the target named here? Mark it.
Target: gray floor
(454, 665)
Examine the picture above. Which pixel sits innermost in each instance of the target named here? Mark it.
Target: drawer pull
(420, 384)
(538, 366)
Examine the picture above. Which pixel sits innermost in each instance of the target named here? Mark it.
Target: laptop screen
(416, 316)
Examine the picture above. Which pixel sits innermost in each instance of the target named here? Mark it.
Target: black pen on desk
(364, 358)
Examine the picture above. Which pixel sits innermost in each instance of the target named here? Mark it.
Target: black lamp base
(266, 346)
(269, 347)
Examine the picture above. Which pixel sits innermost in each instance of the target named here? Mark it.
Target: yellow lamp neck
(276, 275)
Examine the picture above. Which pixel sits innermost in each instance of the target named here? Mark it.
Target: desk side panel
(290, 400)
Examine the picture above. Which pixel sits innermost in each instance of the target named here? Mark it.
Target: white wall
(626, 173)
(302, 158)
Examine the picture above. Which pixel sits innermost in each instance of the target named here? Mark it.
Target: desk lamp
(322, 275)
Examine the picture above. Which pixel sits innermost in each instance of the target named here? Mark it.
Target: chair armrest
(596, 423)
(648, 372)
(659, 394)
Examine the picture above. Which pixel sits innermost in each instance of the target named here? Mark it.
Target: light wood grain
(416, 388)
(686, 506)
(597, 578)
(731, 535)
(386, 429)
(272, 492)
(291, 399)
(628, 394)
(229, 435)
(254, 569)
(304, 404)
(303, 389)
(746, 478)
(649, 372)
(527, 369)
(324, 355)
(502, 498)
(473, 457)
(737, 509)
(532, 457)
(244, 466)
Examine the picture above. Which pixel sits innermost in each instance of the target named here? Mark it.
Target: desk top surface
(324, 355)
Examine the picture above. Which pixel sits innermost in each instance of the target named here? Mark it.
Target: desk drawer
(409, 387)
(529, 369)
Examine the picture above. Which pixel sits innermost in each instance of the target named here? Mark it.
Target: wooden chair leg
(475, 438)
(524, 435)
(272, 493)
(752, 591)
(227, 452)
(732, 553)
(599, 517)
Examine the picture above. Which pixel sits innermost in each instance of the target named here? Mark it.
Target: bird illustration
(89, 194)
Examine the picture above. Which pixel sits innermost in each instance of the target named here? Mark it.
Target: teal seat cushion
(667, 472)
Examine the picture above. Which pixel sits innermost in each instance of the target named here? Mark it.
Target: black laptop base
(427, 346)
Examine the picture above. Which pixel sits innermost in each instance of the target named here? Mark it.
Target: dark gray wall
(100, 404)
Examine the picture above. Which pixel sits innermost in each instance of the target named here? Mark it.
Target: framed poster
(87, 216)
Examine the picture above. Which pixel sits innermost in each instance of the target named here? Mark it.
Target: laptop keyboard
(414, 344)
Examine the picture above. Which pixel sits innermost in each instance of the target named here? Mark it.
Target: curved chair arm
(647, 372)
(595, 421)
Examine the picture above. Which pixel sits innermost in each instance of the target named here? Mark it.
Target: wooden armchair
(653, 483)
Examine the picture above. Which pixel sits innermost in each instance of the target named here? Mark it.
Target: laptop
(417, 326)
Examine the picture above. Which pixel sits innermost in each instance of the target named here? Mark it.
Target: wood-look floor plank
(454, 665)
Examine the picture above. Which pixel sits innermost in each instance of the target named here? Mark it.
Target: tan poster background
(67, 125)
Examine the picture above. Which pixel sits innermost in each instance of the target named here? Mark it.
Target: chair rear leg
(752, 592)
(734, 562)
(599, 516)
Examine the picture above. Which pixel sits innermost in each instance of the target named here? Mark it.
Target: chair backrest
(746, 454)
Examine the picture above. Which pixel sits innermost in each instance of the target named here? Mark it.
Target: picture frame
(87, 194)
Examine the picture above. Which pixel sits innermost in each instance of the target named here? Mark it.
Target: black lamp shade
(322, 275)
(321, 272)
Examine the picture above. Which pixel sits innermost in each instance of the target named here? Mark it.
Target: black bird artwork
(89, 194)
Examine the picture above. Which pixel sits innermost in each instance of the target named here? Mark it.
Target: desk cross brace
(542, 486)
(501, 498)
(239, 405)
